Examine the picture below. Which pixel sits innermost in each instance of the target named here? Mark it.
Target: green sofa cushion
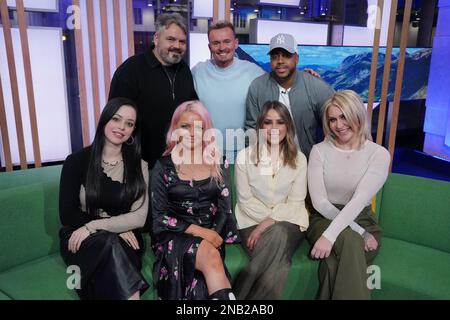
(416, 210)
(235, 259)
(30, 223)
(4, 297)
(410, 271)
(29, 176)
(43, 278)
(303, 281)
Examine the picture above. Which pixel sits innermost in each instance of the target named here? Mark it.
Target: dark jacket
(143, 79)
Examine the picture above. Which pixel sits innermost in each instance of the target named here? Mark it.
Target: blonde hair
(351, 105)
(198, 108)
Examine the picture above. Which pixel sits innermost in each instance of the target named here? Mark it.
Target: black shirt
(143, 79)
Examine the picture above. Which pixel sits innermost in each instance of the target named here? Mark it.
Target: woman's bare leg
(209, 262)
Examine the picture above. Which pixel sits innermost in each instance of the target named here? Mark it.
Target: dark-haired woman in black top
(103, 201)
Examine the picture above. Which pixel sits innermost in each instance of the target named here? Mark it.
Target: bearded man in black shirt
(158, 81)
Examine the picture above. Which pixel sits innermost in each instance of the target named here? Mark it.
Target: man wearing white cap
(302, 93)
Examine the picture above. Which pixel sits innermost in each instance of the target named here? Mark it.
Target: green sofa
(414, 259)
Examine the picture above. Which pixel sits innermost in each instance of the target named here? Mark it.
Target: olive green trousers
(343, 275)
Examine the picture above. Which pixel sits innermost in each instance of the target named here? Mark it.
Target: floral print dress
(176, 204)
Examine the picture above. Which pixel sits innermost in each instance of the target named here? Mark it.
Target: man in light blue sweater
(222, 84)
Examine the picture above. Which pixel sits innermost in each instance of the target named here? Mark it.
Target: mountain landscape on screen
(349, 67)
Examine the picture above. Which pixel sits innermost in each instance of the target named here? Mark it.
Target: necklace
(193, 174)
(111, 163)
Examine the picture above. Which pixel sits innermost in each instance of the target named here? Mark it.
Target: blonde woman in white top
(345, 171)
(270, 210)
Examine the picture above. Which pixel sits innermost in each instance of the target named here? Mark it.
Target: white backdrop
(261, 31)
(49, 81)
(37, 5)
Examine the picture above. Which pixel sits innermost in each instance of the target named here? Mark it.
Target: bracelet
(89, 230)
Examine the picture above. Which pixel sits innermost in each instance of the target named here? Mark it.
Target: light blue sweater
(224, 91)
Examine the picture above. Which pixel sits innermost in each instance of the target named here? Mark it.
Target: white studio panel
(49, 82)
(305, 33)
(124, 26)
(199, 51)
(99, 49)
(37, 5)
(203, 9)
(358, 36)
(281, 2)
(112, 45)
(87, 68)
(363, 36)
(221, 10)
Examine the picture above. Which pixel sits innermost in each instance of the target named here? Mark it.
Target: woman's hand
(209, 235)
(77, 238)
(322, 248)
(370, 243)
(258, 231)
(130, 239)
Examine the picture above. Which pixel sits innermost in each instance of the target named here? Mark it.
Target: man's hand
(322, 248)
(312, 72)
(77, 238)
(130, 239)
(257, 232)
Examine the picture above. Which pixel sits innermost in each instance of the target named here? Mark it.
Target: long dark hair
(135, 186)
(288, 147)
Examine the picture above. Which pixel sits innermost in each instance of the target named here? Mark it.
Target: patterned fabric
(176, 204)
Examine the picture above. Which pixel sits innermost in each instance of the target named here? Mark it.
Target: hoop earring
(128, 141)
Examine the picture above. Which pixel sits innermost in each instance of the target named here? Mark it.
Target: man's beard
(286, 78)
(168, 58)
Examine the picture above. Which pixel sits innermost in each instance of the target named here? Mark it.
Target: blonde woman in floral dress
(191, 210)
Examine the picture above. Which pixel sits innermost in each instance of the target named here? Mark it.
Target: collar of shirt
(283, 90)
(266, 161)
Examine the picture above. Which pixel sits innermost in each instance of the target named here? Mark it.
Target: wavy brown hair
(288, 148)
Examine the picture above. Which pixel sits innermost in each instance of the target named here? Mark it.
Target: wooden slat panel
(81, 81)
(4, 132)
(130, 27)
(29, 82)
(215, 10)
(105, 46)
(399, 77)
(386, 73)
(373, 68)
(93, 57)
(117, 33)
(14, 85)
(227, 10)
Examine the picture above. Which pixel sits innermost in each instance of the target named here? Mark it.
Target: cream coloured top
(346, 177)
(270, 190)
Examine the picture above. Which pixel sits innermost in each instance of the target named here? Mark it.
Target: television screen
(349, 67)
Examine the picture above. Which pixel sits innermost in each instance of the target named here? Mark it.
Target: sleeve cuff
(90, 228)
